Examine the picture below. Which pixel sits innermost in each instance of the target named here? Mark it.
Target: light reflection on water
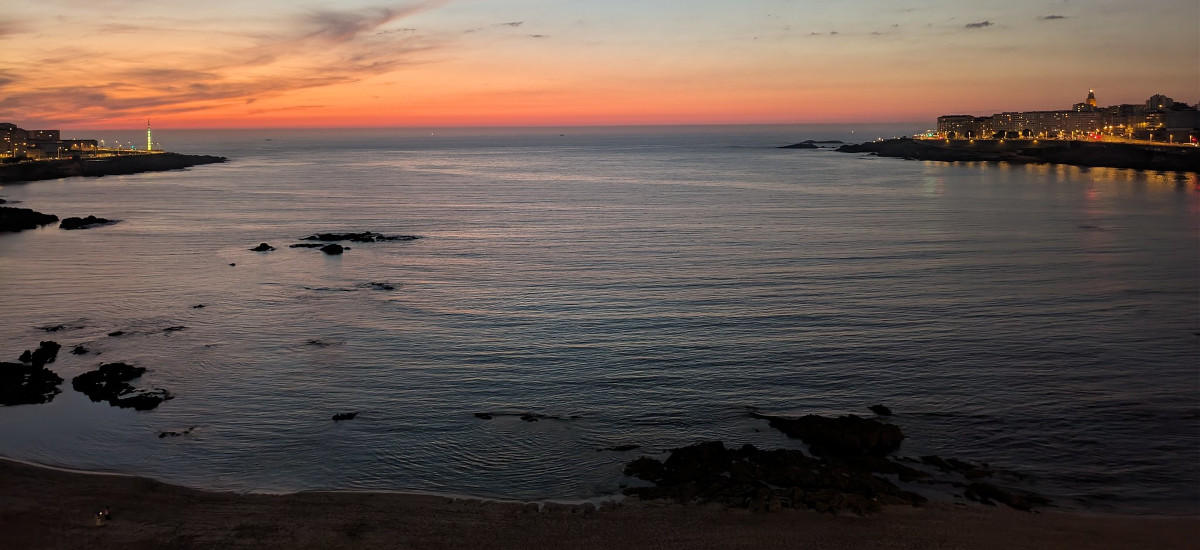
(1040, 318)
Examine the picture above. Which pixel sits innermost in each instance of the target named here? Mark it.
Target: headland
(1079, 153)
(49, 169)
(49, 508)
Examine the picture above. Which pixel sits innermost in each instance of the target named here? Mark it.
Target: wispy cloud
(1051, 17)
(978, 25)
(310, 50)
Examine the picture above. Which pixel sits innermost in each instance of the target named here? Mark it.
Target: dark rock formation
(986, 493)
(176, 434)
(110, 382)
(198, 306)
(801, 145)
(306, 245)
(381, 286)
(125, 164)
(620, 448)
(25, 384)
(174, 329)
(14, 219)
(79, 350)
(46, 352)
(84, 223)
(764, 480)
(263, 247)
(364, 237)
(116, 333)
(332, 249)
(881, 410)
(1079, 153)
(54, 328)
(843, 436)
(484, 416)
(344, 416)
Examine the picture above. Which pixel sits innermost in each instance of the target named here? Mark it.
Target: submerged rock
(84, 223)
(14, 219)
(79, 350)
(263, 247)
(110, 382)
(843, 436)
(881, 410)
(46, 352)
(986, 493)
(176, 434)
(344, 416)
(620, 448)
(332, 249)
(306, 245)
(382, 286)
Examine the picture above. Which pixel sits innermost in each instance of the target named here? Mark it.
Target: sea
(647, 286)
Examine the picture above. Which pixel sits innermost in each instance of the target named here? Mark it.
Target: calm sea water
(655, 283)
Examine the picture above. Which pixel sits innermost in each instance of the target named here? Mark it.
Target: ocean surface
(644, 286)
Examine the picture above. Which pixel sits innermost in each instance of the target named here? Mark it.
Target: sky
(374, 63)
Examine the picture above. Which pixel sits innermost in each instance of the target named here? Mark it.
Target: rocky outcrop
(364, 237)
(801, 145)
(25, 384)
(262, 247)
(748, 477)
(344, 416)
(1079, 153)
(110, 382)
(108, 166)
(848, 435)
(46, 352)
(332, 249)
(13, 219)
(84, 223)
(881, 410)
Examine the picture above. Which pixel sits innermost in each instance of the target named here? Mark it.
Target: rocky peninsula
(1078, 153)
(104, 166)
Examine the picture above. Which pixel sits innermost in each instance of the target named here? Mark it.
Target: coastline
(1075, 153)
(45, 507)
(109, 166)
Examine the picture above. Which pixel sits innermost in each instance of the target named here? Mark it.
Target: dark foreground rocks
(110, 382)
(263, 247)
(46, 352)
(14, 219)
(843, 436)
(344, 416)
(332, 249)
(29, 382)
(84, 223)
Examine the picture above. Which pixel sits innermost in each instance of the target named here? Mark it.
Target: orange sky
(277, 63)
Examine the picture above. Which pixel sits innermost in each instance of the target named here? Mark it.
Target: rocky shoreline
(97, 167)
(1076, 153)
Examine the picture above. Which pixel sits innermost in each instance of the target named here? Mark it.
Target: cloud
(538, 36)
(978, 25)
(511, 24)
(311, 50)
(1051, 17)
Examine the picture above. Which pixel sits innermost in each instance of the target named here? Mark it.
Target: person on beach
(103, 517)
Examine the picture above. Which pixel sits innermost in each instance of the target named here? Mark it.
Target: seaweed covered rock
(25, 384)
(110, 382)
(84, 223)
(842, 436)
(18, 219)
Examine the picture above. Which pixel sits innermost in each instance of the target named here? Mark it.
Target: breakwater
(1079, 153)
(109, 166)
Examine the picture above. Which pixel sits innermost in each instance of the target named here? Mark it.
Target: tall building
(1091, 101)
(149, 144)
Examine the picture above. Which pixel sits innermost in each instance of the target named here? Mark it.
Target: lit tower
(1091, 100)
(150, 147)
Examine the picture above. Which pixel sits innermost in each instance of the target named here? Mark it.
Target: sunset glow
(276, 63)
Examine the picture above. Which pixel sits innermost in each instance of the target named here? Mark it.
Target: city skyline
(114, 63)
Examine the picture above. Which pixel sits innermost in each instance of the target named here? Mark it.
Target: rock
(881, 410)
(176, 434)
(306, 245)
(79, 350)
(116, 333)
(46, 353)
(484, 416)
(530, 417)
(26, 357)
(14, 219)
(174, 329)
(645, 468)
(24, 384)
(332, 249)
(364, 237)
(968, 470)
(54, 328)
(381, 286)
(110, 382)
(986, 493)
(344, 416)
(847, 435)
(84, 223)
(231, 265)
(620, 448)
(263, 247)
(801, 145)
(198, 306)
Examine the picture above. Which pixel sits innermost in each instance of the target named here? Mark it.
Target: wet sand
(48, 508)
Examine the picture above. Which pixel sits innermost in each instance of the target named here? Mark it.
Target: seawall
(110, 166)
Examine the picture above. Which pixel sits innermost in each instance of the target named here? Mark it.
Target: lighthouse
(149, 144)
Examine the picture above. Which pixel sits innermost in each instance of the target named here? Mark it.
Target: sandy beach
(49, 508)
